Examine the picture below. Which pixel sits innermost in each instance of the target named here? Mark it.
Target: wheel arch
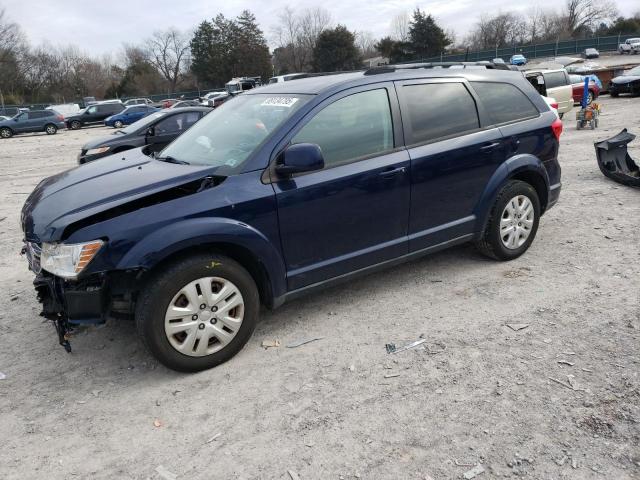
(526, 168)
(238, 241)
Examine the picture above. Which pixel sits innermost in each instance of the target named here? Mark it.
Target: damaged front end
(614, 159)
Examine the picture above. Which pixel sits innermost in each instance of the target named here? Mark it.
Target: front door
(169, 128)
(354, 212)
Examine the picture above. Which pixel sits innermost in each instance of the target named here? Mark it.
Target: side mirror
(151, 132)
(298, 158)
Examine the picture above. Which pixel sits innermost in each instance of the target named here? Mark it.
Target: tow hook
(64, 331)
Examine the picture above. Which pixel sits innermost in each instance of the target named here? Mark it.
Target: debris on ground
(213, 438)
(157, 423)
(303, 342)
(392, 375)
(352, 368)
(270, 344)
(391, 347)
(293, 475)
(474, 472)
(165, 473)
(2, 376)
(517, 326)
(565, 362)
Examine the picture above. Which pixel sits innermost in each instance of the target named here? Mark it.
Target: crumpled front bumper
(614, 160)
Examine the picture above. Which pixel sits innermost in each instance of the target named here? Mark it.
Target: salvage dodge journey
(287, 188)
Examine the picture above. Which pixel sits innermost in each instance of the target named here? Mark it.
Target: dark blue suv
(287, 188)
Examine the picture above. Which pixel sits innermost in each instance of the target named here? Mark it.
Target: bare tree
(400, 27)
(366, 44)
(585, 14)
(168, 52)
(296, 36)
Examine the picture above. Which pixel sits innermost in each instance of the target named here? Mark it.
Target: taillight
(556, 127)
(554, 105)
(60, 118)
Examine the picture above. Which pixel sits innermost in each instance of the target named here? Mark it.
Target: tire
(50, 129)
(614, 94)
(561, 115)
(165, 289)
(6, 132)
(75, 125)
(491, 241)
(118, 124)
(589, 98)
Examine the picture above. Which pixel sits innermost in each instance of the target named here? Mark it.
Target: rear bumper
(554, 195)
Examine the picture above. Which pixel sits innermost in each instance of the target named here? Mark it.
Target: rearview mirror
(298, 158)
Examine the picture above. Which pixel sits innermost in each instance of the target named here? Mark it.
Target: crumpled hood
(83, 191)
(625, 79)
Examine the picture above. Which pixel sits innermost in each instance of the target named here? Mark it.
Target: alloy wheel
(51, 129)
(516, 222)
(204, 316)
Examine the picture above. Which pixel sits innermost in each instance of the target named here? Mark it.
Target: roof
(319, 84)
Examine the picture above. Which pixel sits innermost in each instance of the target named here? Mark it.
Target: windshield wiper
(172, 160)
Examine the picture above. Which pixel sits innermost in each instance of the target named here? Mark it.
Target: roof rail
(415, 66)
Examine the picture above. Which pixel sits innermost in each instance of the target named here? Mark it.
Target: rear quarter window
(555, 79)
(437, 110)
(504, 102)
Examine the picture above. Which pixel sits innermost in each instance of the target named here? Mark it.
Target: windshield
(135, 126)
(229, 134)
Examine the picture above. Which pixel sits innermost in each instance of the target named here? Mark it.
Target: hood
(98, 142)
(625, 79)
(75, 194)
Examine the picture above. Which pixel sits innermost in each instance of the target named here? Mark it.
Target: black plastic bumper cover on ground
(614, 160)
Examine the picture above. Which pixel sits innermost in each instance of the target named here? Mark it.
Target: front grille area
(32, 251)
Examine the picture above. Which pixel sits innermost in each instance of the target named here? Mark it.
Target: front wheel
(75, 125)
(513, 222)
(6, 132)
(51, 129)
(198, 312)
(118, 124)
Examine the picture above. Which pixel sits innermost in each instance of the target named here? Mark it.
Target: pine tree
(426, 38)
(336, 50)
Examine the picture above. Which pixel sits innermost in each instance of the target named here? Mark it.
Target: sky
(100, 27)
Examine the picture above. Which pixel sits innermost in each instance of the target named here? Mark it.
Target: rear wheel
(198, 312)
(75, 125)
(513, 222)
(614, 94)
(50, 129)
(118, 124)
(6, 132)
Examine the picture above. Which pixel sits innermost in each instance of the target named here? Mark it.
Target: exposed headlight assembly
(68, 260)
(95, 151)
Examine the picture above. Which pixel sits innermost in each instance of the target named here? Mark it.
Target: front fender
(514, 166)
(195, 232)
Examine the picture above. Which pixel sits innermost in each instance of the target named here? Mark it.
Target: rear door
(558, 87)
(454, 151)
(170, 128)
(354, 212)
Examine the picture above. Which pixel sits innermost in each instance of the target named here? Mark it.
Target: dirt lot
(341, 407)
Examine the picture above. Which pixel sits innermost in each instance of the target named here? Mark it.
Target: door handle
(490, 147)
(393, 172)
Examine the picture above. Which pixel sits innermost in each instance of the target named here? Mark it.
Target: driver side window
(351, 128)
(92, 109)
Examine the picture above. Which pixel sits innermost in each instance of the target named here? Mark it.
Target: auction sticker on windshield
(279, 102)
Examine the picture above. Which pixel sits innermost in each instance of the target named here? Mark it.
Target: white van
(553, 83)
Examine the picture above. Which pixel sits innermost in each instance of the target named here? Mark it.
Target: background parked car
(518, 59)
(129, 115)
(577, 85)
(93, 114)
(287, 78)
(138, 101)
(590, 53)
(555, 84)
(48, 121)
(155, 131)
(65, 109)
(186, 103)
(166, 103)
(628, 82)
(631, 45)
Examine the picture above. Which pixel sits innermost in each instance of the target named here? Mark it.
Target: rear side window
(555, 79)
(504, 102)
(351, 128)
(436, 110)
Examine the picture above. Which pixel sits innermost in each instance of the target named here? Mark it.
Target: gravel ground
(559, 399)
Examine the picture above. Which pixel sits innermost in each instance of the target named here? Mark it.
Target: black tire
(75, 125)
(561, 115)
(50, 129)
(490, 242)
(613, 94)
(158, 292)
(118, 124)
(6, 132)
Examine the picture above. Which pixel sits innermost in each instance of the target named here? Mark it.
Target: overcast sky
(101, 26)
